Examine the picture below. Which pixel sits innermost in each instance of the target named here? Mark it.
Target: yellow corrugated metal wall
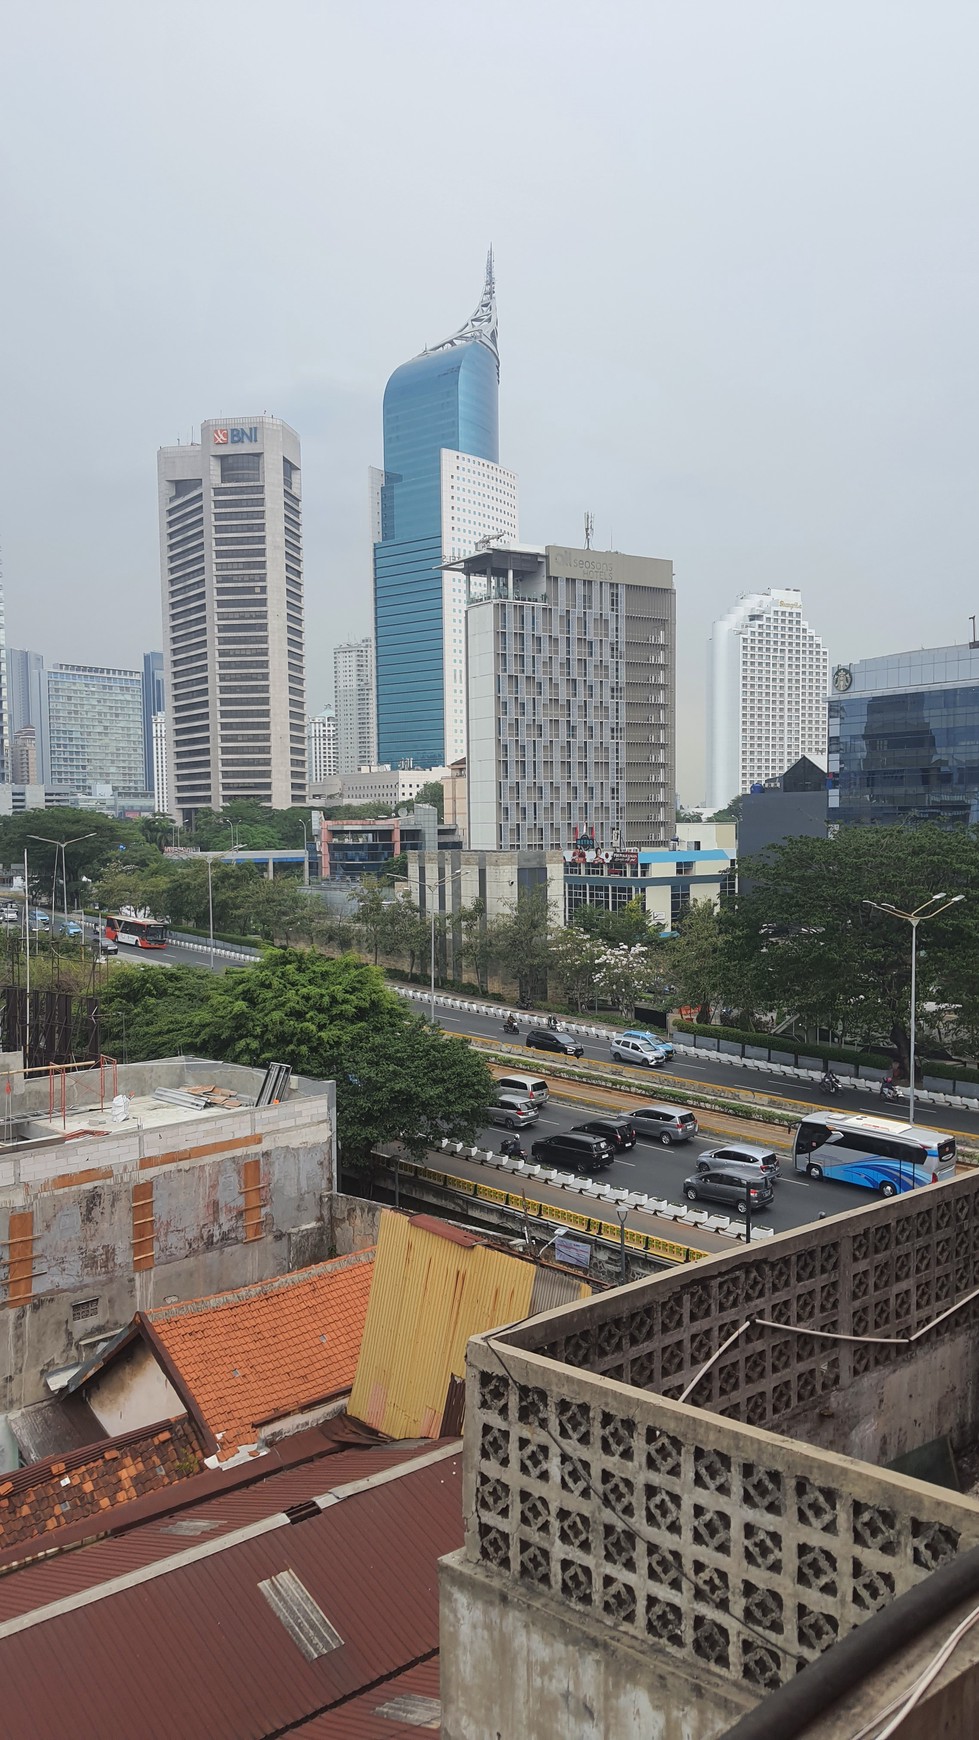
(428, 1296)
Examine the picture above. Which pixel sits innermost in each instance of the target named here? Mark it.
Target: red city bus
(142, 933)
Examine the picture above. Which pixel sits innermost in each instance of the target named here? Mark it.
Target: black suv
(584, 1154)
(545, 1039)
(620, 1132)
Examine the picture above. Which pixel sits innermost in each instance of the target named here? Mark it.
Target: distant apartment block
(321, 747)
(355, 703)
(23, 757)
(161, 776)
(95, 722)
(768, 679)
(231, 563)
(154, 703)
(571, 660)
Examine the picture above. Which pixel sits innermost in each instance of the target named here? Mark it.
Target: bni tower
(441, 493)
(231, 561)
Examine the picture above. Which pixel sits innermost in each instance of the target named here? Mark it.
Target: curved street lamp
(928, 909)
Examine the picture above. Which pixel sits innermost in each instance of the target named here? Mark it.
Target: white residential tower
(767, 688)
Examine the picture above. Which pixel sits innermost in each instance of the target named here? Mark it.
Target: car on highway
(663, 1123)
(572, 1148)
(620, 1132)
(665, 1045)
(69, 928)
(529, 1087)
(639, 1051)
(733, 1186)
(742, 1154)
(11, 914)
(545, 1039)
(513, 1111)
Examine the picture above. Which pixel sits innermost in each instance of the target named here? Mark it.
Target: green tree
(296, 1006)
(805, 943)
(277, 910)
(731, 811)
(402, 930)
(574, 958)
(432, 793)
(371, 901)
(694, 960)
(413, 1084)
(96, 840)
(520, 943)
(151, 1013)
(477, 945)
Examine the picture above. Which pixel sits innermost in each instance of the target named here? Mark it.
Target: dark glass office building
(446, 399)
(904, 738)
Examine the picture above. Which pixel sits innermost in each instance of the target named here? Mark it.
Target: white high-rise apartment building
(231, 561)
(479, 506)
(161, 777)
(321, 747)
(355, 704)
(768, 681)
(571, 680)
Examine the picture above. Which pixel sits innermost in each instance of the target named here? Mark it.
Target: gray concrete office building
(570, 668)
(27, 696)
(231, 565)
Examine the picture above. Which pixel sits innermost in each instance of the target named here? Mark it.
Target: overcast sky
(736, 248)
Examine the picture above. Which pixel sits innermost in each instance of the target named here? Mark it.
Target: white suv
(638, 1051)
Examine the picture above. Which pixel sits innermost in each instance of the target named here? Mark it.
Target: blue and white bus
(876, 1153)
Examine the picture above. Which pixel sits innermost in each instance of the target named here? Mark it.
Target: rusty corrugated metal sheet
(553, 1287)
(199, 1652)
(63, 1575)
(376, 1711)
(428, 1296)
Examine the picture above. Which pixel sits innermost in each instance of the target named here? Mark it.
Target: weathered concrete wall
(107, 1226)
(133, 1390)
(885, 1413)
(354, 1223)
(512, 1666)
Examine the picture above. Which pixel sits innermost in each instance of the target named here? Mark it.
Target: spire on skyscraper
(481, 327)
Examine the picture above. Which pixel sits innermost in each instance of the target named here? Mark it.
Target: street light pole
(210, 911)
(302, 824)
(915, 918)
(622, 1215)
(59, 846)
(430, 890)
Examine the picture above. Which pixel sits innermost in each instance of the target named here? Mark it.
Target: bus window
(809, 1137)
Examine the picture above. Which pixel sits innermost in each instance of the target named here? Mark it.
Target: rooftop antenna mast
(589, 530)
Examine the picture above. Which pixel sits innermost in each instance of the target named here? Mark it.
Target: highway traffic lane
(661, 1172)
(712, 1073)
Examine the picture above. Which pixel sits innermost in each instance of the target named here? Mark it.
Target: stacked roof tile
(52, 1495)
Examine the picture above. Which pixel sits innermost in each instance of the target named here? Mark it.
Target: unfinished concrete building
(681, 1498)
(121, 1190)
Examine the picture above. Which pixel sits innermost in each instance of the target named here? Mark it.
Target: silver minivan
(513, 1111)
(530, 1087)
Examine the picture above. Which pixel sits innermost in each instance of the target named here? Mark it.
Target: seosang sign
(222, 437)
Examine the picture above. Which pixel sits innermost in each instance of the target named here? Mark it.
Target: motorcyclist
(829, 1081)
(510, 1025)
(887, 1088)
(552, 1022)
(510, 1146)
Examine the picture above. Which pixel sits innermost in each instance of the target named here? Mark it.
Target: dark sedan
(545, 1039)
(619, 1132)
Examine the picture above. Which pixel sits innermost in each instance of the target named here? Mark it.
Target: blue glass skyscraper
(444, 401)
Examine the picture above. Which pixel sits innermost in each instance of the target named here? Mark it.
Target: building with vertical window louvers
(232, 573)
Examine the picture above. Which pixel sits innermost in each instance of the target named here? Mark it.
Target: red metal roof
(159, 1537)
(375, 1713)
(198, 1651)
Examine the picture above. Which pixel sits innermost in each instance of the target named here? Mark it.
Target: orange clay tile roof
(50, 1495)
(251, 1356)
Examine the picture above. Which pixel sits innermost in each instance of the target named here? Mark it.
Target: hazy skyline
(736, 263)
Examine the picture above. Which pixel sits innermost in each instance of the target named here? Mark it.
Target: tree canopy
(802, 939)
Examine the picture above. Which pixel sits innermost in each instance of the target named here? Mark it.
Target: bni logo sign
(235, 436)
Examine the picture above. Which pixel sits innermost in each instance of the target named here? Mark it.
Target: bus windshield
(875, 1153)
